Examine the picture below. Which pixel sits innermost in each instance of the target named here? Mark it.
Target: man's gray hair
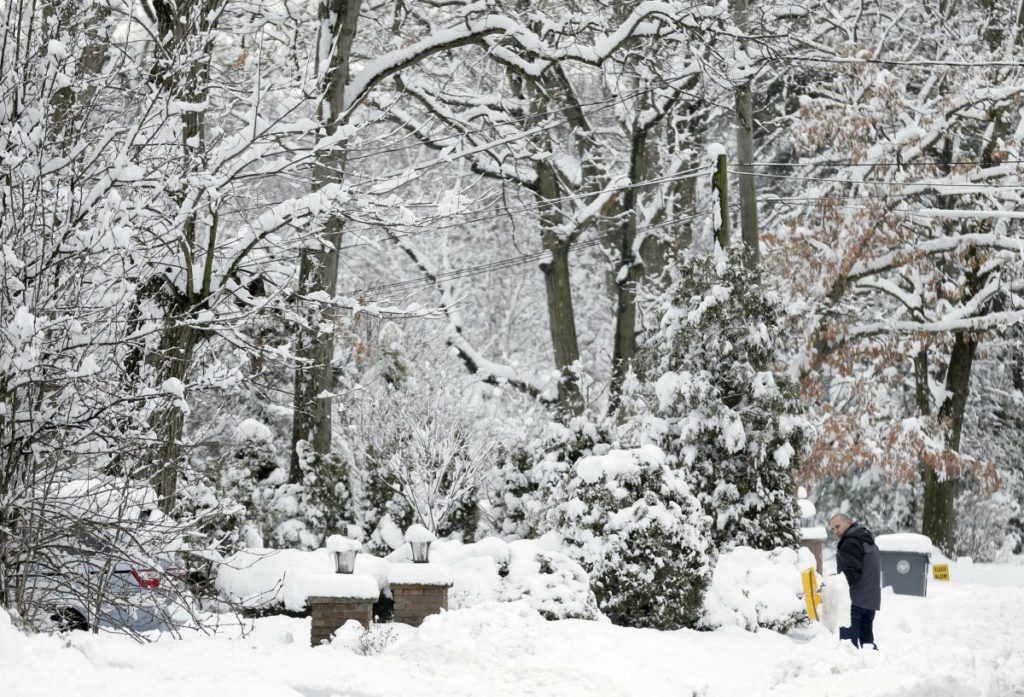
(840, 516)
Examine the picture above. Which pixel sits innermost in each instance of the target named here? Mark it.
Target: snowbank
(964, 639)
(755, 589)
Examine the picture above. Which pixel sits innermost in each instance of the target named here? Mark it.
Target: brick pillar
(414, 601)
(329, 614)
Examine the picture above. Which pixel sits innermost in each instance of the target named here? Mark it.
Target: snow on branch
(488, 371)
(993, 320)
(383, 67)
(938, 245)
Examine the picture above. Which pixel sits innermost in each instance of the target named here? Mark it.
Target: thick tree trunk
(939, 521)
(561, 317)
(318, 268)
(182, 70)
(172, 360)
(629, 272)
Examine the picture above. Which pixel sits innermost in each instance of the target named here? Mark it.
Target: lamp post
(420, 552)
(345, 562)
(344, 551)
(419, 539)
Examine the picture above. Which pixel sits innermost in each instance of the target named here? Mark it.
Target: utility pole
(745, 143)
(720, 187)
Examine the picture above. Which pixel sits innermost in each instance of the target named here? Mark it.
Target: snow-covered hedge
(630, 519)
(533, 571)
(755, 589)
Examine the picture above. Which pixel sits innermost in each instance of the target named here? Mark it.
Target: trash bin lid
(904, 542)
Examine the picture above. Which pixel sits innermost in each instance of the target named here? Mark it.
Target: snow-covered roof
(421, 574)
(904, 542)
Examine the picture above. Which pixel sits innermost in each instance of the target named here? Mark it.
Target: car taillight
(147, 578)
(176, 572)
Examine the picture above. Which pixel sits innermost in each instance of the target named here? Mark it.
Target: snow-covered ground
(965, 639)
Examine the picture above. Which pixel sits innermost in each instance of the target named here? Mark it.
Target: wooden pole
(720, 186)
(745, 148)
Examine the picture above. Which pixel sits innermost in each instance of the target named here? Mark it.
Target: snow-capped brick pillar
(419, 590)
(329, 614)
(334, 599)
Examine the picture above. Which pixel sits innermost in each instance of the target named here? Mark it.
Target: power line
(904, 63)
(607, 102)
(877, 182)
(913, 163)
(490, 267)
(503, 211)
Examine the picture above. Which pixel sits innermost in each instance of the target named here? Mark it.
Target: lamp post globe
(345, 561)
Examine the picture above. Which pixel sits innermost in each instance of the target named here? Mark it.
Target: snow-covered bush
(534, 571)
(423, 458)
(756, 589)
(527, 475)
(629, 518)
(721, 409)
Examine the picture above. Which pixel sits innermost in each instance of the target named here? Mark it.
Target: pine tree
(729, 419)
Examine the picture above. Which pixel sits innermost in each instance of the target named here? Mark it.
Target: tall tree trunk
(939, 521)
(183, 70)
(172, 361)
(629, 272)
(745, 151)
(561, 317)
(318, 268)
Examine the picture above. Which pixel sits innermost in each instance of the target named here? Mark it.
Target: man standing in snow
(857, 557)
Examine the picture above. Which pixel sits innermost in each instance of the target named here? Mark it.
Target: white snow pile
(904, 542)
(419, 534)
(533, 571)
(332, 585)
(260, 579)
(420, 574)
(340, 543)
(835, 602)
(754, 589)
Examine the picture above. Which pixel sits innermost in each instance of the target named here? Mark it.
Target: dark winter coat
(858, 558)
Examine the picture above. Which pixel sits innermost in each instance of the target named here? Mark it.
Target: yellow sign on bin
(811, 596)
(940, 572)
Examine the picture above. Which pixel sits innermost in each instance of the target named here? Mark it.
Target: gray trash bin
(905, 561)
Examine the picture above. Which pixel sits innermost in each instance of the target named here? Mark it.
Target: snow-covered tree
(722, 409)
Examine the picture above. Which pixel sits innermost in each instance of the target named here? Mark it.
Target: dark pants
(861, 629)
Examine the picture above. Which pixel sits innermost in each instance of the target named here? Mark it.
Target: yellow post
(811, 595)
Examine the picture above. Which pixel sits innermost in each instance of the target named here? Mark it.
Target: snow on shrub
(757, 589)
(521, 485)
(631, 521)
(531, 571)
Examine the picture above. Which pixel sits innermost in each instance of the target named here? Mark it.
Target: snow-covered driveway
(966, 639)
